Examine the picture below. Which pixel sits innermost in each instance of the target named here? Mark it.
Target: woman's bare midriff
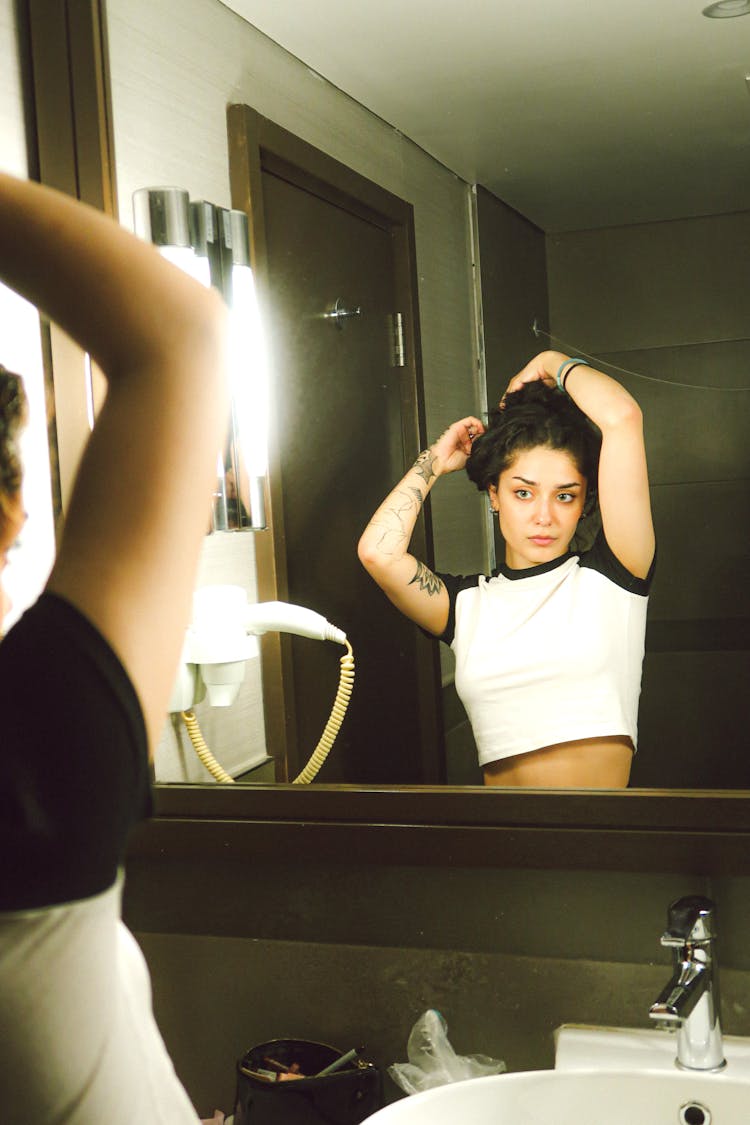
(586, 763)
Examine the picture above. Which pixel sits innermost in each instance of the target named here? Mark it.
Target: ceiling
(578, 113)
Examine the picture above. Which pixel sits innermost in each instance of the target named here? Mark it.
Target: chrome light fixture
(212, 245)
(162, 216)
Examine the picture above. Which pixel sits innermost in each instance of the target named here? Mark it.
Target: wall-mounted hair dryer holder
(222, 637)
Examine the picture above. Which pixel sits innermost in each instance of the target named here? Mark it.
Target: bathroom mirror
(697, 655)
(660, 298)
(151, 63)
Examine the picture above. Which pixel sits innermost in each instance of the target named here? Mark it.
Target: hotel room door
(346, 403)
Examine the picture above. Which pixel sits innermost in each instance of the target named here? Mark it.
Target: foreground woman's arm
(138, 512)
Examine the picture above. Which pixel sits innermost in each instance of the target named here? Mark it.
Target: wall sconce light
(212, 244)
(249, 365)
(162, 216)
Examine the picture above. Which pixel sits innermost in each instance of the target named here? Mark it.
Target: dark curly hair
(536, 415)
(12, 418)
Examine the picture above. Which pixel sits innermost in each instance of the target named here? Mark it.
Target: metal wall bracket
(339, 313)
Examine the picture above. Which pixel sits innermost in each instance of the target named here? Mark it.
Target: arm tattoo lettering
(423, 466)
(427, 581)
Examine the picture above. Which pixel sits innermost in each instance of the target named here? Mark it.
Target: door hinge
(397, 340)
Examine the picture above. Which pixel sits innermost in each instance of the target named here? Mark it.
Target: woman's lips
(542, 540)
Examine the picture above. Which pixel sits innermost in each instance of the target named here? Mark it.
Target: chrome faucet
(691, 998)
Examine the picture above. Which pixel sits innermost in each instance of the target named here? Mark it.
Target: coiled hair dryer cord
(201, 748)
(335, 719)
(321, 751)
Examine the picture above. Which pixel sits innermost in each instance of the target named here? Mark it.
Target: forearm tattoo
(423, 466)
(396, 522)
(426, 580)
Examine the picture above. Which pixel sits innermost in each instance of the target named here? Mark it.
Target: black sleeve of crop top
(601, 559)
(73, 756)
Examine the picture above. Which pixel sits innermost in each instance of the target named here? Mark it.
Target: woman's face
(539, 500)
(11, 522)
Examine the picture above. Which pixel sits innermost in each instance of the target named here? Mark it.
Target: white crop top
(550, 653)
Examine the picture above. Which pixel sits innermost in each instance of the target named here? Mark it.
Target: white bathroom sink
(581, 1047)
(555, 1097)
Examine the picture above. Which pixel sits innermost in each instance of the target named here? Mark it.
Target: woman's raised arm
(383, 547)
(140, 504)
(624, 498)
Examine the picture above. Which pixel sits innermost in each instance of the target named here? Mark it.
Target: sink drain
(693, 1113)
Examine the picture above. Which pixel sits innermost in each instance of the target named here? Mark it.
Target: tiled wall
(667, 302)
(662, 306)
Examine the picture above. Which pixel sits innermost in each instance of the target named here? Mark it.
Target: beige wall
(175, 65)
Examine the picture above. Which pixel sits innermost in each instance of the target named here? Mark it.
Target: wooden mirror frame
(70, 142)
(630, 830)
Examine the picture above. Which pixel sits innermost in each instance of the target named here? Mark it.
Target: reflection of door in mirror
(336, 269)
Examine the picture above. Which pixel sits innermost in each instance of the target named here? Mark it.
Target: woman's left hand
(542, 367)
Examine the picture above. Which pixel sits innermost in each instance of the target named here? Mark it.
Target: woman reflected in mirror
(549, 647)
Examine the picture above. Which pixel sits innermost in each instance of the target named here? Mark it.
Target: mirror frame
(631, 830)
(66, 88)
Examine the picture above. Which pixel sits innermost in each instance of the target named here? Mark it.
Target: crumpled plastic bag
(432, 1060)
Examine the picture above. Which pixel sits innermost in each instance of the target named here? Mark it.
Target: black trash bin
(346, 1097)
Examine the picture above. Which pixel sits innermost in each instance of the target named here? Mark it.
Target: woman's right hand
(542, 367)
(453, 448)
(384, 544)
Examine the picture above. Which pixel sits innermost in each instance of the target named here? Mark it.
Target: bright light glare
(29, 565)
(249, 372)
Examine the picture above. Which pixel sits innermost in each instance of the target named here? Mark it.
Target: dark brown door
(347, 423)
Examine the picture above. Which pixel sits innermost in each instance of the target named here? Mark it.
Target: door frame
(65, 78)
(257, 144)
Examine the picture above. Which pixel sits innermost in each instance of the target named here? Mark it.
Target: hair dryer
(221, 638)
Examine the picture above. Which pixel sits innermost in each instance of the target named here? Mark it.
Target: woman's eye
(522, 493)
(566, 497)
